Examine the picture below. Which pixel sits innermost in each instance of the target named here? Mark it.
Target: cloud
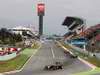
(15, 12)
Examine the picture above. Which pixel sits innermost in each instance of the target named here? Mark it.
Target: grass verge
(95, 61)
(18, 62)
(92, 72)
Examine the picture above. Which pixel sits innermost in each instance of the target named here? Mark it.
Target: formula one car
(55, 66)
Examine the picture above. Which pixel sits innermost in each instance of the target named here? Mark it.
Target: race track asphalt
(48, 54)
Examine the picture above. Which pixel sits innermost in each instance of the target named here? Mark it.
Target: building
(25, 32)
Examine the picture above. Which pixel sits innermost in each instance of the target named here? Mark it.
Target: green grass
(16, 63)
(95, 61)
(91, 72)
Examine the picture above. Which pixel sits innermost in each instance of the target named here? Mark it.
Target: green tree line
(7, 37)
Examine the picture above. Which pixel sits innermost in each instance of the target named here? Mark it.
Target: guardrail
(8, 57)
(80, 49)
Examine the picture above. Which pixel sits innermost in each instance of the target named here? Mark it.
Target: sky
(24, 13)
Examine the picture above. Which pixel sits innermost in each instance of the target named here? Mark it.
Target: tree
(7, 37)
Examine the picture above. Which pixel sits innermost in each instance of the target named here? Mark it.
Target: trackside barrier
(8, 57)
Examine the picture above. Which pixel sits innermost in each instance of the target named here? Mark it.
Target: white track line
(11, 72)
(52, 51)
(84, 61)
(87, 63)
